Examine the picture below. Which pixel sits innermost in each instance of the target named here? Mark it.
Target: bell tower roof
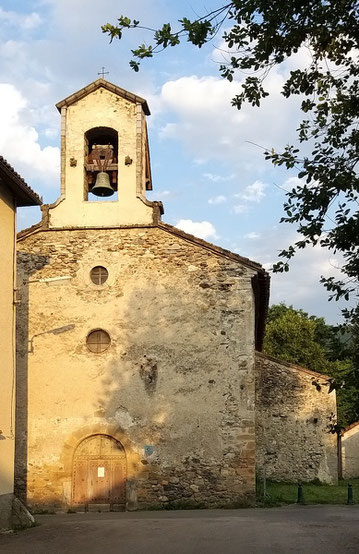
(105, 161)
(130, 96)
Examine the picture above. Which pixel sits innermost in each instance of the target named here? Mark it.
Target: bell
(102, 186)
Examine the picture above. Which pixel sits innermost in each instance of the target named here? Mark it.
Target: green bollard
(300, 498)
(350, 494)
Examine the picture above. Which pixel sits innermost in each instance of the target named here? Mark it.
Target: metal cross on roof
(103, 72)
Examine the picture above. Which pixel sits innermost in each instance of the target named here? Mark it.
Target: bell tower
(105, 162)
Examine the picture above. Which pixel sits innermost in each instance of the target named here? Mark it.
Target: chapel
(140, 378)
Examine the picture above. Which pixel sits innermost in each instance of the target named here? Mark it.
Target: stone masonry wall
(294, 414)
(350, 451)
(178, 375)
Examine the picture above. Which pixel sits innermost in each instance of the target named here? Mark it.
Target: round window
(98, 341)
(99, 275)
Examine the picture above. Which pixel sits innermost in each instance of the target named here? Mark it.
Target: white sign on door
(100, 472)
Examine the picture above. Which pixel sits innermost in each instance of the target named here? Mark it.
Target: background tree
(294, 336)
(259, 35)
(291, 336)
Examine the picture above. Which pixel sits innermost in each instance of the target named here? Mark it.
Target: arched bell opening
(99, 472)
(101, 164)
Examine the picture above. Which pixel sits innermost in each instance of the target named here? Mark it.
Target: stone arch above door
(99, 471)
(72, 442)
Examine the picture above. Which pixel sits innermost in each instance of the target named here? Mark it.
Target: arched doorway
(99, 472)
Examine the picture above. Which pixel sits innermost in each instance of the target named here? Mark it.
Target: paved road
(287, 530)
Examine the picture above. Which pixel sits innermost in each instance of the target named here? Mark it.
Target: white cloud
(195, 94)
(253, 193)
(25, 21)
(219, 178)
(19, 142)
(201, 229)
(200, 106)
(170, 130)
(292, 182)
(240, 208)
(252, 236)
(217, 199)
(199, 161)
(199, 114)
(300, 286)
(221, 54)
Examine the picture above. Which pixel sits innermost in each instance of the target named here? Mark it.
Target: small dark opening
(103, 135)
(96, 138)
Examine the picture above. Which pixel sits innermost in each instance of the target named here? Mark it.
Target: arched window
(101, 157)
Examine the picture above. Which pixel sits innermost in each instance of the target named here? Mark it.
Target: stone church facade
(136, 341)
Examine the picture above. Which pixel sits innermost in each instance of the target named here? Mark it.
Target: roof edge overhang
(209, 246)
(24, 194)
(165, 227)
(260, 279)
(350, 427)
(296, 367)
(108, 86)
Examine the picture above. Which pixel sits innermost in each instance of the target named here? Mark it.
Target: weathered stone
(350, 451)
(21, 517)
(151, 382)
(294, 420)
(171, 385)
(194, 488)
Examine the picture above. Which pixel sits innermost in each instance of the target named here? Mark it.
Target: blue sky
(207, 158)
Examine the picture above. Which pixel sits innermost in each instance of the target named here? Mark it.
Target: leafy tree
(294, 336)
(291, 336)
(346, 384)
(262, 34)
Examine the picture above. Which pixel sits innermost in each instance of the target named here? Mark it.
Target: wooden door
(99, 472)
(118, 483)
(99, 481)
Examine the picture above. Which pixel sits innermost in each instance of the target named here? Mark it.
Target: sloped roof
(296, 367)
(24, 194)
(209, 246)
(165, 227)
(108, 86)
(351, 426)
(260, 281)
